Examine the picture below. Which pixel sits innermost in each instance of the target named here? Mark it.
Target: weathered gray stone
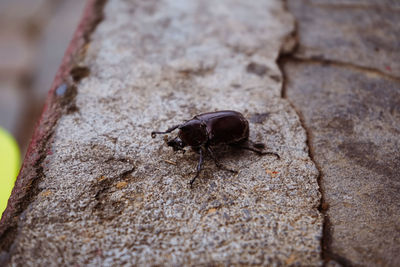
(110, 194)
(353, 118)
(344, 81)
(362, 36)
(357, 3)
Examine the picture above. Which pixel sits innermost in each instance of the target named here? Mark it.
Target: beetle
(208, 130)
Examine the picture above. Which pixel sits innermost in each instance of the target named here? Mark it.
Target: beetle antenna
(153, 134)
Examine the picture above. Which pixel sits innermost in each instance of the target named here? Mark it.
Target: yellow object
(9, 166)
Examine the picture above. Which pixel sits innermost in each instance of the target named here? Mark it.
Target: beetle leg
(199, 166)
(217, 163)
(153, 134)
(256, 147)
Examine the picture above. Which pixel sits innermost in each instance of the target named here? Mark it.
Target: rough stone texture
(357, 3)
(352, 115)
(109, 193)
(355, 142)
(355, 34)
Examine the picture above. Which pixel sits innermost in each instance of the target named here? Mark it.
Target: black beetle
(211, 129)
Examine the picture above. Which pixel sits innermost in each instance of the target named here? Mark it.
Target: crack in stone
(103, 188)
(322, 61)
(283, 58)
(328, 256)
(325, 240)
(351, 6)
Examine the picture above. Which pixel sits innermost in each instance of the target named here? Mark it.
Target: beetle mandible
(208, 130)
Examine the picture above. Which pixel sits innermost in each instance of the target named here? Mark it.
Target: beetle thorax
(193, 133)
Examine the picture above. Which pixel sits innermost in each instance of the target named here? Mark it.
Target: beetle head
(176, 144)
(193, 133)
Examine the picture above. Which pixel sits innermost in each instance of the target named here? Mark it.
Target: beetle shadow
(232, 155)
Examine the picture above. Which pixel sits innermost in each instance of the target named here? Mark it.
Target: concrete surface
(96, 189)
(360, 33)
(355, 142)
(108, 193)
(350, 104)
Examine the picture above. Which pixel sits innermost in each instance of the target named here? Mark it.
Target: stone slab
(348, 96)
(357, 3)
(355, 142)
(361, 35)
(111, 195)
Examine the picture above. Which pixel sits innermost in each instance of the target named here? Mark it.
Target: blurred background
(34, 35)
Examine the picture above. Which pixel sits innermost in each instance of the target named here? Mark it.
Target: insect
(206, 131)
